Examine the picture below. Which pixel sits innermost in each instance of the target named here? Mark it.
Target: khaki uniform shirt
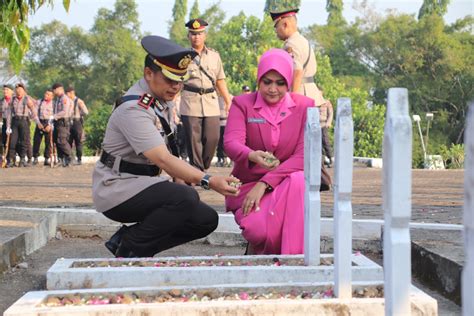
(194, 104)
(79, 108)
(131, 130)
(5, 107)
(299, 48)
(21, 108)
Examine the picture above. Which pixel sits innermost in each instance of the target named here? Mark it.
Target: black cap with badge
(171, 58)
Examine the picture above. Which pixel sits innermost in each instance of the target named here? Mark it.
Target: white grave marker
(397, 155)
(468, 272)
(344, 151)
(312, 198)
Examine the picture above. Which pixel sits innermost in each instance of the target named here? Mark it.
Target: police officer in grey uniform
(18, 121)
(5, 107)
(127, 186)
(62, 109)
(78, 112)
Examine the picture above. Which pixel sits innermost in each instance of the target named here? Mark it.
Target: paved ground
(437, 195)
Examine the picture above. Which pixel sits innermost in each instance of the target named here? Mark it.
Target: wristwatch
(205, 182)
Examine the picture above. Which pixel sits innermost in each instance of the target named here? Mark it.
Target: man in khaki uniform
(127, 186)
(300, 49)
(78, 112)
(199, 107)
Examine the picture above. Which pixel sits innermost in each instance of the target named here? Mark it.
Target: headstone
(468, 272)
(397, 157)
(312, 198)
(344, 151)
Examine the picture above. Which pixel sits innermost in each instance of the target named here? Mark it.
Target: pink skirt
(278, 228)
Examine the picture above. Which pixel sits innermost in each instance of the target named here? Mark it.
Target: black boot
(47, 162)
(124, 252)
(35, 161)
(113, 243)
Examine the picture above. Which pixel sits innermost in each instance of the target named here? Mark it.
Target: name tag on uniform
(256, 120)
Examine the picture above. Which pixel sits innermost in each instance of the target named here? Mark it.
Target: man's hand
(252, 200)
(261, 158)
(40, 126)
(48, 128)
(221, 185)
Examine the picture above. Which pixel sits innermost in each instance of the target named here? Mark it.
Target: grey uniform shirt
(132, 129)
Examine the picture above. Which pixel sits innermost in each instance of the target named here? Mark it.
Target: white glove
(51, 120)
(9, 131)
(1, 124)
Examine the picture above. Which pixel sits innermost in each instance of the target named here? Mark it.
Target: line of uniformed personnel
(58, 116)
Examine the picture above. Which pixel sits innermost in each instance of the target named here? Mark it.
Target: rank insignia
(196, 24)
(145, 101)
(185, 61)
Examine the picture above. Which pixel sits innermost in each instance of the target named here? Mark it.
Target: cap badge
(196, 24)
(185, 61)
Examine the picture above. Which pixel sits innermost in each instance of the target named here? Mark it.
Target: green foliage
(240, 42)
(429, 7)
(50, 44)
(453, 156)
(115, 52)
(335, 8)
(281, 5)
(177, 30)
(95, 127)
(14, 31)
(194, 12)
(368, 121)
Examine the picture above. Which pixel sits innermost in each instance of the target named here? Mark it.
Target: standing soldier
(5, 106)
(19, 122)
(79, 111)
(126, 185)
(304, 60)
(44, 110)
(62, 108)
(199, 108)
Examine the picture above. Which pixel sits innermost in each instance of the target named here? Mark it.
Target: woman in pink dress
(270, 206)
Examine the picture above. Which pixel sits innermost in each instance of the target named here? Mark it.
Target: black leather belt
(201, 91)
(20, 117)
(129, 167)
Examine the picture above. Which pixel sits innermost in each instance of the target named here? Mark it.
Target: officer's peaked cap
(171, 58)
(196, 25)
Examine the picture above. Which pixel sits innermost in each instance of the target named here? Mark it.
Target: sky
(154, 15)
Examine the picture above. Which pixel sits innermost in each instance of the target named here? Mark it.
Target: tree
(57, 54)
(334, 9)
(115, 52)
(281, 5)
(177, 29)
(194, 13)
(429, 7)
(14, 31)
(240, 43)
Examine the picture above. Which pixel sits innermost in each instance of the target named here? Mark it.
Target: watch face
(205, 182)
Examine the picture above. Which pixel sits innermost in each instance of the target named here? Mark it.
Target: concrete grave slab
(32, 303)
(63, 274)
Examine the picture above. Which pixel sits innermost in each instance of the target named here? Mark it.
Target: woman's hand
(260, 158)
(252, 200)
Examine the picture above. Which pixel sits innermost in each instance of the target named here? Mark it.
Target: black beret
(56, 85)
(172, 58)
(69, 89)
(20, 85)
(8, 86)
(196, 25)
